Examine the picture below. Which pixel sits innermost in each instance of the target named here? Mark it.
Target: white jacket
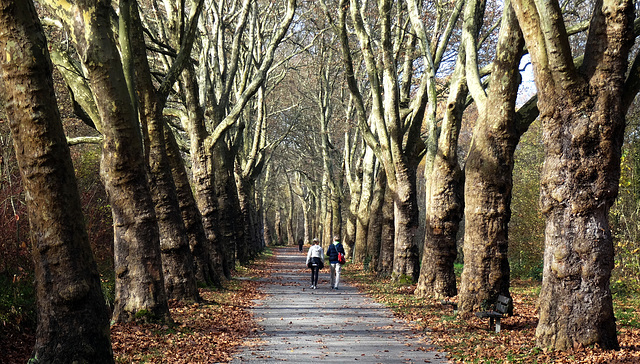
(315, 251)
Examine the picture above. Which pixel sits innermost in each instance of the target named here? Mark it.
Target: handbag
(341, 258)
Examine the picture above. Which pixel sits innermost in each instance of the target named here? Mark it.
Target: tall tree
(443, 176)
(177, 260)
(583, 117)
(489, 165)
(138, 267)
(398, 154)
(73, 320)
(224, 83)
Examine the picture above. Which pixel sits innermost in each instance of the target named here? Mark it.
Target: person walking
(300, 244)
(315, 261)
(332, 253)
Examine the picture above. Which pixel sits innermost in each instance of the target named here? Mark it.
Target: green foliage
(626, 304)
(404, 280)
(17, 301)
(108, 284)
(625, 214)
(457, 269)
(526, 229)
(367, 261)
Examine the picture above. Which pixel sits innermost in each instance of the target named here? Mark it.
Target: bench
(502, 309)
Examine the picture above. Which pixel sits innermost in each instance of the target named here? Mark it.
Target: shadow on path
(301, 325)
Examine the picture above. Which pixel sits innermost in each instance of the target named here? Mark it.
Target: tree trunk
(444, 197)
(204, 271)
(291, 240)
(375, 220)
(353, 173)
(249, 249)
(362, 219)
(139, 280)
(73, 321)
(583, 122)
(488, 173)
(350, 224)
(177, 260)
(229, 219)
(405, 211)
(385, 266)
(445, 205)
(278, 228)
(266, 230)
(259, 218)
(201, 170)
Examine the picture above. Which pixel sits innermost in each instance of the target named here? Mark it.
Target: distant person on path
(315, 261)
(332, 252)
(300, 244)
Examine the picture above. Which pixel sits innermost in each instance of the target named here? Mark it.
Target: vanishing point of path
(301, 325)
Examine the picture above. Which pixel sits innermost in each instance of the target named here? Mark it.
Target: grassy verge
(470, 341)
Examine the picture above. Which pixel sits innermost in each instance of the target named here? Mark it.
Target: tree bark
(198, 243)
(249, 249)
(139, 280)
(374, 235)
(201, 170)
(278, 228)
(488, 173)
(229, 219)
(385, 266)
(355, 187)
(73, 320)
(364, 205)
(583, 121)
(445, 203)
(177, 260)
(405, 213)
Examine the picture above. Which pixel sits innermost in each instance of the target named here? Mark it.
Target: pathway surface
(302, 325)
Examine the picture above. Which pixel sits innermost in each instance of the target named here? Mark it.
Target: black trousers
(315, 271)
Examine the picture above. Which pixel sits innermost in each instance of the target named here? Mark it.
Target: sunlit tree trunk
(139, 279)
(489, 180)
(291, 240)
(351, 158)
(385, 265)
(201, 170)
(278, 227)
(364, 205)
(374, 232)
(583, 120)
(73, 320)
(444, 197)
(405, 213)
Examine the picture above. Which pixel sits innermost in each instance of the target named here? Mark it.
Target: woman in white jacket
(315, 261)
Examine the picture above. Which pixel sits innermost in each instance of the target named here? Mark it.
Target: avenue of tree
(229, 125)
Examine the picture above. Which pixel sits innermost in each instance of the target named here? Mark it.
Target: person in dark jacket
(332, 253)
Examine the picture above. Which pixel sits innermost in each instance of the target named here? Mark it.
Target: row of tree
(248, 121)
(412, 71)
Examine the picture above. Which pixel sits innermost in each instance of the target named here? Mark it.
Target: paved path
(301, 325)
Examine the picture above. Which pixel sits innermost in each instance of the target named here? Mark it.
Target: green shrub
(17, 302)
